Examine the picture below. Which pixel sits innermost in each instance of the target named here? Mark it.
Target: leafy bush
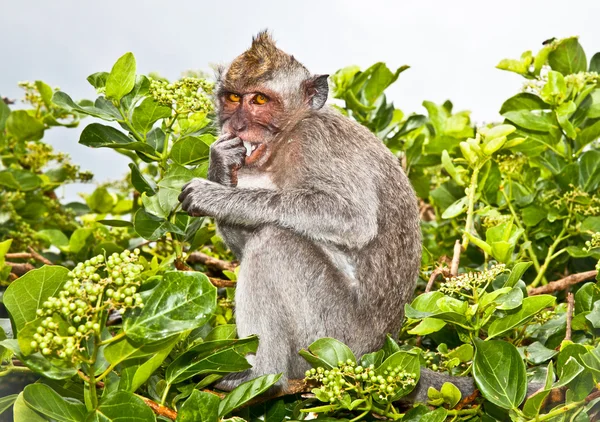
(115, 325)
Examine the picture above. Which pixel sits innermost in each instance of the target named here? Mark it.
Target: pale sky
(451, 46)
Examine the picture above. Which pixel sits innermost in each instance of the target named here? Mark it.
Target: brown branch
(19, 268)
(434, 274)
(570, 306)
(217, 282)
(563, 283)
(160, 410)
(456, 258)
(209, 261)
(39, 257)
(468, 400)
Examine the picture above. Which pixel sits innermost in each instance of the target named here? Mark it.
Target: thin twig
(39, 257)
(570, 306)
(209, 261)
(563, 283)
(434, 274)
(456, 258)
(217, 282)
(159, 409)
(19, 268)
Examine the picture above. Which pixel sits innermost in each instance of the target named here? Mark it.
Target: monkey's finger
(231, 144)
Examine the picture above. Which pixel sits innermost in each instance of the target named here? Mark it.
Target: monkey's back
(386, 266)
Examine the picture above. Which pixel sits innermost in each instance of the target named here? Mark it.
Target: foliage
(118, 319)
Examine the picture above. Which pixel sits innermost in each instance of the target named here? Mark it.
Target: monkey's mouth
(253, 151)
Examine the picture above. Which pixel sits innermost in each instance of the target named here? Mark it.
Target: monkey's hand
(197, 197)
(226, 158)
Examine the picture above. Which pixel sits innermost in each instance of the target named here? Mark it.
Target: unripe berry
(34, 344)
(46, 351)
(72, 330)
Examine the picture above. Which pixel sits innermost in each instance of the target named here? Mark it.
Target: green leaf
(405, 361)
(24, 127)
(531, 306)
(7, 401)
(121, 79)
(121, 406)
(212, 357)
(500, 373)
(18, 179)
(200, 406)
(62, 100)
(569, 371)
(147, 113)
(23, 413)
(537, 353)
(96, 135)
(511, 300)
(589, 134)
(534, 403)
(101, 200)
(46, 401)
(151, 227)
(589, 170)
(139, 182)
(524, 101)
(181, 301)
(151, 356)
(591, 360)
(245, 392)
(327, 352)
(438, 415)
(516, 273)
(54, 237)
(451, 394)
(427, 326)
(190, 150)
(532, 121)
(456, 209)
(585, 297)
(568, 57)
(4, 112)
(98, 79)
(27, 293)
(430, 305)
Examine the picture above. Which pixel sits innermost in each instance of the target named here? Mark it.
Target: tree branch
(563, 283)
(209, 261)
(570, 306)
(456, 258)
(159, 409)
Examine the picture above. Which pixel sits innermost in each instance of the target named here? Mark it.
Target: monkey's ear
(317, 90)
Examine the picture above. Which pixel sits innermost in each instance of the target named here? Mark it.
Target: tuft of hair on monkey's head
(264, 66)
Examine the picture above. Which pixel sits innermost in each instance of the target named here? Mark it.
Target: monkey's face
(254, 116)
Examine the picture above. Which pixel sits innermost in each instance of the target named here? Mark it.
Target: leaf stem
(549, 257)
(165, 394)
(471, 206)
(112, 339)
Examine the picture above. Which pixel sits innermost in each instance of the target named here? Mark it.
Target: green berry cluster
(186, 95)
(593, 243)
(79, 309)
(468, 282)
(348, 377)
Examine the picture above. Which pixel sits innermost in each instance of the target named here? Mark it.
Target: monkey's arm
(348, 220)
(226, 158)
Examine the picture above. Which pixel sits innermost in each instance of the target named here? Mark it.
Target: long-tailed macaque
(319, 212)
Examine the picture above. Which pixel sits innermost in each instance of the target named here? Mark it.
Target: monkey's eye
(235, 98)
(261, 99)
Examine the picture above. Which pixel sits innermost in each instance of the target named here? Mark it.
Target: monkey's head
(263, 91)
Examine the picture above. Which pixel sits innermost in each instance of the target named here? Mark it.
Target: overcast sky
(451, 46)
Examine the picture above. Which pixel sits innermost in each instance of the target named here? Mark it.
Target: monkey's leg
(287, 294)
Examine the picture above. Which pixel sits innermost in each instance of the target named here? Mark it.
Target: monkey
(319, 212)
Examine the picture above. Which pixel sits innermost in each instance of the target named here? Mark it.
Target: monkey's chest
(255, 179)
